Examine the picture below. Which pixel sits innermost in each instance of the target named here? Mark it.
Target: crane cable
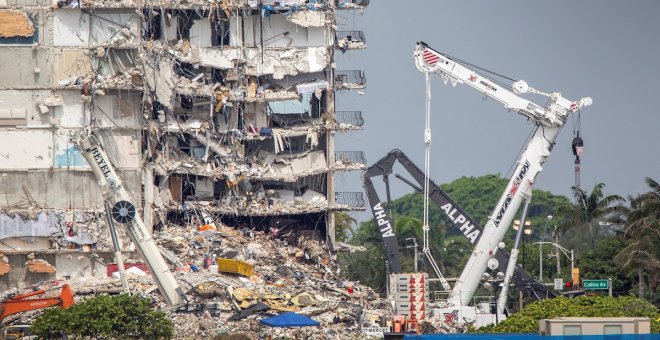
(427, 157)
(577, 146)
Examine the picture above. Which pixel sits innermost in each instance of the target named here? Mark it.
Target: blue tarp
(289, 319)
(530, 337)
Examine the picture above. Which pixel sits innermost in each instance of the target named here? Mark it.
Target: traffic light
(568, 284)
(576, 276)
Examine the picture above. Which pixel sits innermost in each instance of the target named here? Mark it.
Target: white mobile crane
(548, 119)
(123, 211)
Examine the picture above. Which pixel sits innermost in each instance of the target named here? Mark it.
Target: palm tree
(589, 209)
(643, 228)
(344, 224)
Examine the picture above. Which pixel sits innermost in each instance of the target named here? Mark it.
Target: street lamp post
(526, 231)
(568, 253)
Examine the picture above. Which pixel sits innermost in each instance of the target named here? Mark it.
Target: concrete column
(148, 209)
(330, 141)
(330, 155)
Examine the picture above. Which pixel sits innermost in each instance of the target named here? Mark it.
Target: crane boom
(123, 211)
(460, 220)
(26, 302)
(549, 121)
(555, 113)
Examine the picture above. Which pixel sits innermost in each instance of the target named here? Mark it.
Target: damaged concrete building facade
(211, 110)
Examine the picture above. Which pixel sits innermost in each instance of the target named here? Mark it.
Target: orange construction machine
(23, 303)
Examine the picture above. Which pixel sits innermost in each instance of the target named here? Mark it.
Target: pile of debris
(292, 272)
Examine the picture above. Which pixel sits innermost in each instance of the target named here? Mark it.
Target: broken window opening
(218, 75)
(294, 145)
(110, 62)
(152, 28)
(185, 70)
(188, 189)
(280, 226)
(241, 119)
(220, 33)
(186, 103)
(158, 111)
(185, 20)
(318, 105)
(290, 113)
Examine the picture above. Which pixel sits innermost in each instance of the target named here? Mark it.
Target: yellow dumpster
(234, 266)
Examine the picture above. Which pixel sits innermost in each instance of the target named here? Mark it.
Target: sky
(608, 50)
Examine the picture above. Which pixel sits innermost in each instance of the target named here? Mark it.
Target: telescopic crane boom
(549, 121)
(124, 212)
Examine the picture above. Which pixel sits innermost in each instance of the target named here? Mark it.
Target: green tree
(369, 267)
(598, 264)
(527, 320)
(344, 224)
(105, 317)
(589, 209)
(642, 227)
(476, 195)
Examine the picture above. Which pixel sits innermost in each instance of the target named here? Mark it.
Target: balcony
(348, 120)
(350, 79)
(352, 4)
(350, 160)
(350, 40)
(350, 200)
(287, 120)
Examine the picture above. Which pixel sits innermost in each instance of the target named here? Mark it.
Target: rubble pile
(293, 272)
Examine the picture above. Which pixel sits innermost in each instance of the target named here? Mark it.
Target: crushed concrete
(292, 273)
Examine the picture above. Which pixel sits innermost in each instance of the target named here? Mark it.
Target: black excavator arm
(460, 220)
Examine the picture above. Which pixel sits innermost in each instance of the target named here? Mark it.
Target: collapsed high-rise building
(209, 109)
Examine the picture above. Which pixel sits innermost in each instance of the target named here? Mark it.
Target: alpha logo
(383, 222)
(450, 318)
(462, 222)
(512, 193)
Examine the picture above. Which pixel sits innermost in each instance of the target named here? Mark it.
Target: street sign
(595, 284)
(559, 284)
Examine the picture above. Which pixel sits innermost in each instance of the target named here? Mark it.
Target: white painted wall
(26, 149)
(66, 154)
(24, 103)
(273, 27)
(200, 33)
(73, 265)
(123, 148)
(169, 27)
(16, 226)
(118, 110)
(71, 114)
(204, 187)
(72, 27)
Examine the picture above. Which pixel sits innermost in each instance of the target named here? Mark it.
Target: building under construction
(209, 109)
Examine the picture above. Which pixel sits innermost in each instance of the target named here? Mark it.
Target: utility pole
(414, 246)
(556, 241)
(541, 262)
